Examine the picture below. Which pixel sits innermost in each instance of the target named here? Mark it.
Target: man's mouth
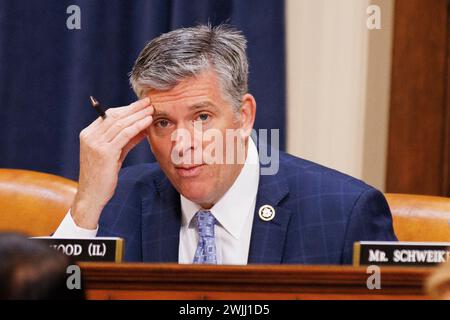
(189, 171)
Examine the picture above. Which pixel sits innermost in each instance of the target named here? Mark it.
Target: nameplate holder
(400, 253)
(100, 249)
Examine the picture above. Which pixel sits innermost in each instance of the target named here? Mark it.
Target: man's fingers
(142, 103)
(99, 126)
(134, 142)
(91, 128)
(127, 134)
(123, 123)
(121, 112)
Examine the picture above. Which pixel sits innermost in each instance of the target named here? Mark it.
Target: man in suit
(192, 82)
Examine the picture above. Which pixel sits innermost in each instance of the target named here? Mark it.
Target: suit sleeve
(121, 217)
(370, 220)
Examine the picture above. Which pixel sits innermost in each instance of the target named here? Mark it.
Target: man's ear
(247, 113)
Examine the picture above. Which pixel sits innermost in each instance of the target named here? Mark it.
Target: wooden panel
(418, 118)
(174, 281)
(446, 162)
(214, 295)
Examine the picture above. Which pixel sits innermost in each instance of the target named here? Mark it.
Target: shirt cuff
(69, 229)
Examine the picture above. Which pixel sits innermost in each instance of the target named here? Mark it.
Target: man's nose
(186, 138)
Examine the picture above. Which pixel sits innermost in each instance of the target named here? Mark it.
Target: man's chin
(198, 193)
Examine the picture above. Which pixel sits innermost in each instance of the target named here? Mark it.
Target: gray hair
(186, 52)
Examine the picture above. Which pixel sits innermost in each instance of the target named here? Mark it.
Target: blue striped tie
(206, 248)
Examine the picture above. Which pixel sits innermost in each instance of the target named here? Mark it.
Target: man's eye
(162, 123)
(203, 117)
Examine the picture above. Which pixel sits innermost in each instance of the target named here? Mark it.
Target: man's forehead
(202, 91)
(203, 85)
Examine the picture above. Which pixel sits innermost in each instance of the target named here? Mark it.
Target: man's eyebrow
(195, 106)
(203, 104)
(159, 113)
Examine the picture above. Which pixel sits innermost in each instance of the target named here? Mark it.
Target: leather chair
(419, 217)
(32, 202)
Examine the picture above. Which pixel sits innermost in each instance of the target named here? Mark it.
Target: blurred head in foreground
(32, 270)
(438, 284)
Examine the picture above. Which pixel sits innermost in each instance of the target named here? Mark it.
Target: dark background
(47, 71)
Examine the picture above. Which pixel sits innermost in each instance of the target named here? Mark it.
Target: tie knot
(205, 224)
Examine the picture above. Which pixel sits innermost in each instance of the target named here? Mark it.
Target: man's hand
(103, 146)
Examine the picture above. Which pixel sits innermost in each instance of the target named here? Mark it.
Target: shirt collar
(234, 206)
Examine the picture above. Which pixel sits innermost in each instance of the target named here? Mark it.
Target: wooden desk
(173, 281)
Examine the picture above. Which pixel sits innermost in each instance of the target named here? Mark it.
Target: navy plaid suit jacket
(320, 213)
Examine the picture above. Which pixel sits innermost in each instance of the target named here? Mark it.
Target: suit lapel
(161, 221)
(268, 237)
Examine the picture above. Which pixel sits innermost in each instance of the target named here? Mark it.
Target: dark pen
(98, 107)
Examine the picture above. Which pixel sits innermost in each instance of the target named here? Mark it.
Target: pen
(98, 107)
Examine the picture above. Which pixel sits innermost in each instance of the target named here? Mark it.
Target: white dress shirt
(233, 212)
